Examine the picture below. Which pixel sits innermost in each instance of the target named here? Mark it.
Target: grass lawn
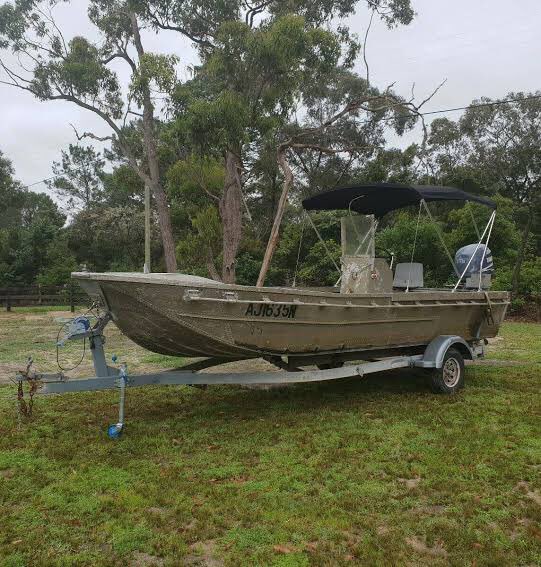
(373, 471)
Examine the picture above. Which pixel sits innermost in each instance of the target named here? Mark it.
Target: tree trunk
(149, 142)
(231, 214)
(164, 220)
(515, 281)
(211, 266)
(273, 238)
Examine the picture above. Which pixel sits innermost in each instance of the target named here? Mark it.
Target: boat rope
(60, 367)
(92, 311)
(324, 244)
(440, 236)
(298, 255)
(489, 223)
(468, 205)
(414, 243)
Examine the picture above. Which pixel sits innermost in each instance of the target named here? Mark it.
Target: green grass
(34, 330)
(518, 341)
(40, 308)
(377, 471)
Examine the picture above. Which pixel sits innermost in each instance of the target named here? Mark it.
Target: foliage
(315, 259)
(29, 224)
(497, 147)
(399, 240)
(59, 262)
(79, 177)
(198, 251)
(110, 238)
(85, 74)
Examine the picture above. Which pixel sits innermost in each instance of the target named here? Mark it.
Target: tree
(79, 176)
(109, 237)
(497, 145)
(29, 225)
(344, 116)
(80, 72)
(195, 184)
(256, 61)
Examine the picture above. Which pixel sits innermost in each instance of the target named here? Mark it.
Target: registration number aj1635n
(271, 310)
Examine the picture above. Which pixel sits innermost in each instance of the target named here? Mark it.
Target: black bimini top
(380, 198)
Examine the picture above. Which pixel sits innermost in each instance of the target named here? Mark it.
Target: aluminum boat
(372, 307)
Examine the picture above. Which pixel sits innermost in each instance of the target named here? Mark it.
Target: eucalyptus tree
(51, 66)
(30, 224)
(78, 176)
(344, 123)
(258, 60)
(498, 146)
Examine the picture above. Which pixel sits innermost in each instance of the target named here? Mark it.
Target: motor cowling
(464, 254)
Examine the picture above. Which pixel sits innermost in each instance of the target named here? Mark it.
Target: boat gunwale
(169, 280)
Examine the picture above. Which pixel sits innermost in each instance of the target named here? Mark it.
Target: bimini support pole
(485, 251)
(414, 244)
(487, 227)
(324, 244)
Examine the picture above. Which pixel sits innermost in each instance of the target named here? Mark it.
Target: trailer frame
(111, 377)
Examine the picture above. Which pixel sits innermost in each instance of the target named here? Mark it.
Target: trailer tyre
(450, 377)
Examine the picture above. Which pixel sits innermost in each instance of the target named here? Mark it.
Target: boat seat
(412, 271)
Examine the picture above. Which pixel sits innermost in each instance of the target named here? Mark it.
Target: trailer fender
(435, 351)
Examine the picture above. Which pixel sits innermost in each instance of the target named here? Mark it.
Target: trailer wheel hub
(451, 372)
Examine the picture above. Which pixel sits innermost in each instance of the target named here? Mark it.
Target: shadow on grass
(226, 401)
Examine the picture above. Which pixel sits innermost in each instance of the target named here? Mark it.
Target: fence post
(72, 299)
(39, 294)
(8, 303)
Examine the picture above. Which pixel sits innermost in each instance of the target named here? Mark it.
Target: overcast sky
(482, 48)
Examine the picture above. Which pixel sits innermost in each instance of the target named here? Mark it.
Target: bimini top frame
(380, 198)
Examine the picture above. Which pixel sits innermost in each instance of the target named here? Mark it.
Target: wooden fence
(30, 296)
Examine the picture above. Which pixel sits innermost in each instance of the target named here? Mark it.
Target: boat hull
(186, 316)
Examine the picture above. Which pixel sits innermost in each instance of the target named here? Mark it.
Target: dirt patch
(535, 496)
(410, 483)
(157, 511)
(145, 560)
(421, 547)
(53, 314)
(8, 371)
(205, 555)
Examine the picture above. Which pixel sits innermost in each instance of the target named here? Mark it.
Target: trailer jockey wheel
(450, 377)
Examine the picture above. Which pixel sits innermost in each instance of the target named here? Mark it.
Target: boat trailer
(110, 377)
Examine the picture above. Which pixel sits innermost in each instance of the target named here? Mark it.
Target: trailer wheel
(450, 377)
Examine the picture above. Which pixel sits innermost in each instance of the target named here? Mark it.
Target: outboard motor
(471, 277)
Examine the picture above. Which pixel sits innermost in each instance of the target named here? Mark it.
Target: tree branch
(165, 26)
(364, 48)
(90, 135)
